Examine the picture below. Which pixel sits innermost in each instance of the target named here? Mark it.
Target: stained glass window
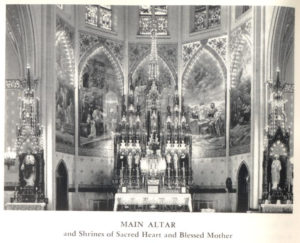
(207, 17)
(145, 21)
(99, 15)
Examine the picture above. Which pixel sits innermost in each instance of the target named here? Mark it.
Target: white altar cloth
(25, 206)
(277, 208)
(153, 199)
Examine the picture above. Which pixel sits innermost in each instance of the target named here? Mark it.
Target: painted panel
(100, 99)
(138, 52)
(64, 100)
(204, 95)
(240, 91)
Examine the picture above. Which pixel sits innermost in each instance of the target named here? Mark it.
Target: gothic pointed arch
(167, 82)
(21, 31)
(100, 98)
(162, 60)
(281, 41)
(95, 50)
(204, 94)
(191, 62)
(61, 180)
(243, 187)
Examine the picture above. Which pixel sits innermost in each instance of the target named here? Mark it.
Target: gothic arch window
(145, 16)
(206, 17)
(99, 16)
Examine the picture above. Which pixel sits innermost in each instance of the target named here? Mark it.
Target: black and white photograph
(125, 122)
(149, 108)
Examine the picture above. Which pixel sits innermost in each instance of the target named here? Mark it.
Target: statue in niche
(275, 172)
(153, 120)
(28, 170)
(129, 159)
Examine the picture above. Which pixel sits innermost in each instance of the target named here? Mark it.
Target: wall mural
(137, 53)
(100, 99)
(240, 94)
(204, 83)
(166, 84)
(65, 69)
(88, 42)
(189, 50)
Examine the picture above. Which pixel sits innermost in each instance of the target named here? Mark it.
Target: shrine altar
(152, 200)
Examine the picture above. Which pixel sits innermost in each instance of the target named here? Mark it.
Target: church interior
(149, 108)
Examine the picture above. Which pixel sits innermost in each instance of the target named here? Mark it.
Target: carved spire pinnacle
(153, 67)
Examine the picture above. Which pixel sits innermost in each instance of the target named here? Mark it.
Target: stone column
(179, 57)
(228, 85)
(48, 81)
(263, 98)
(257, 124)
(76, 95)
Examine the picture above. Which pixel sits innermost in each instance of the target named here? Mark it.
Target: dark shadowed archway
(62, 187)
(243, 189)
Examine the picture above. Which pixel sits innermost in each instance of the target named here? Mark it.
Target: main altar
(152, 168)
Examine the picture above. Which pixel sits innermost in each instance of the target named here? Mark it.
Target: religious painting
(240, 101)
(204, 100)
(64, 96)
(100, 99)
(166, 85)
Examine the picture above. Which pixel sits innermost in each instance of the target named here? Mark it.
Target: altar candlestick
(183, 174)
(137, 176)
(129, 175)
(169, 172)
(121, 175)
